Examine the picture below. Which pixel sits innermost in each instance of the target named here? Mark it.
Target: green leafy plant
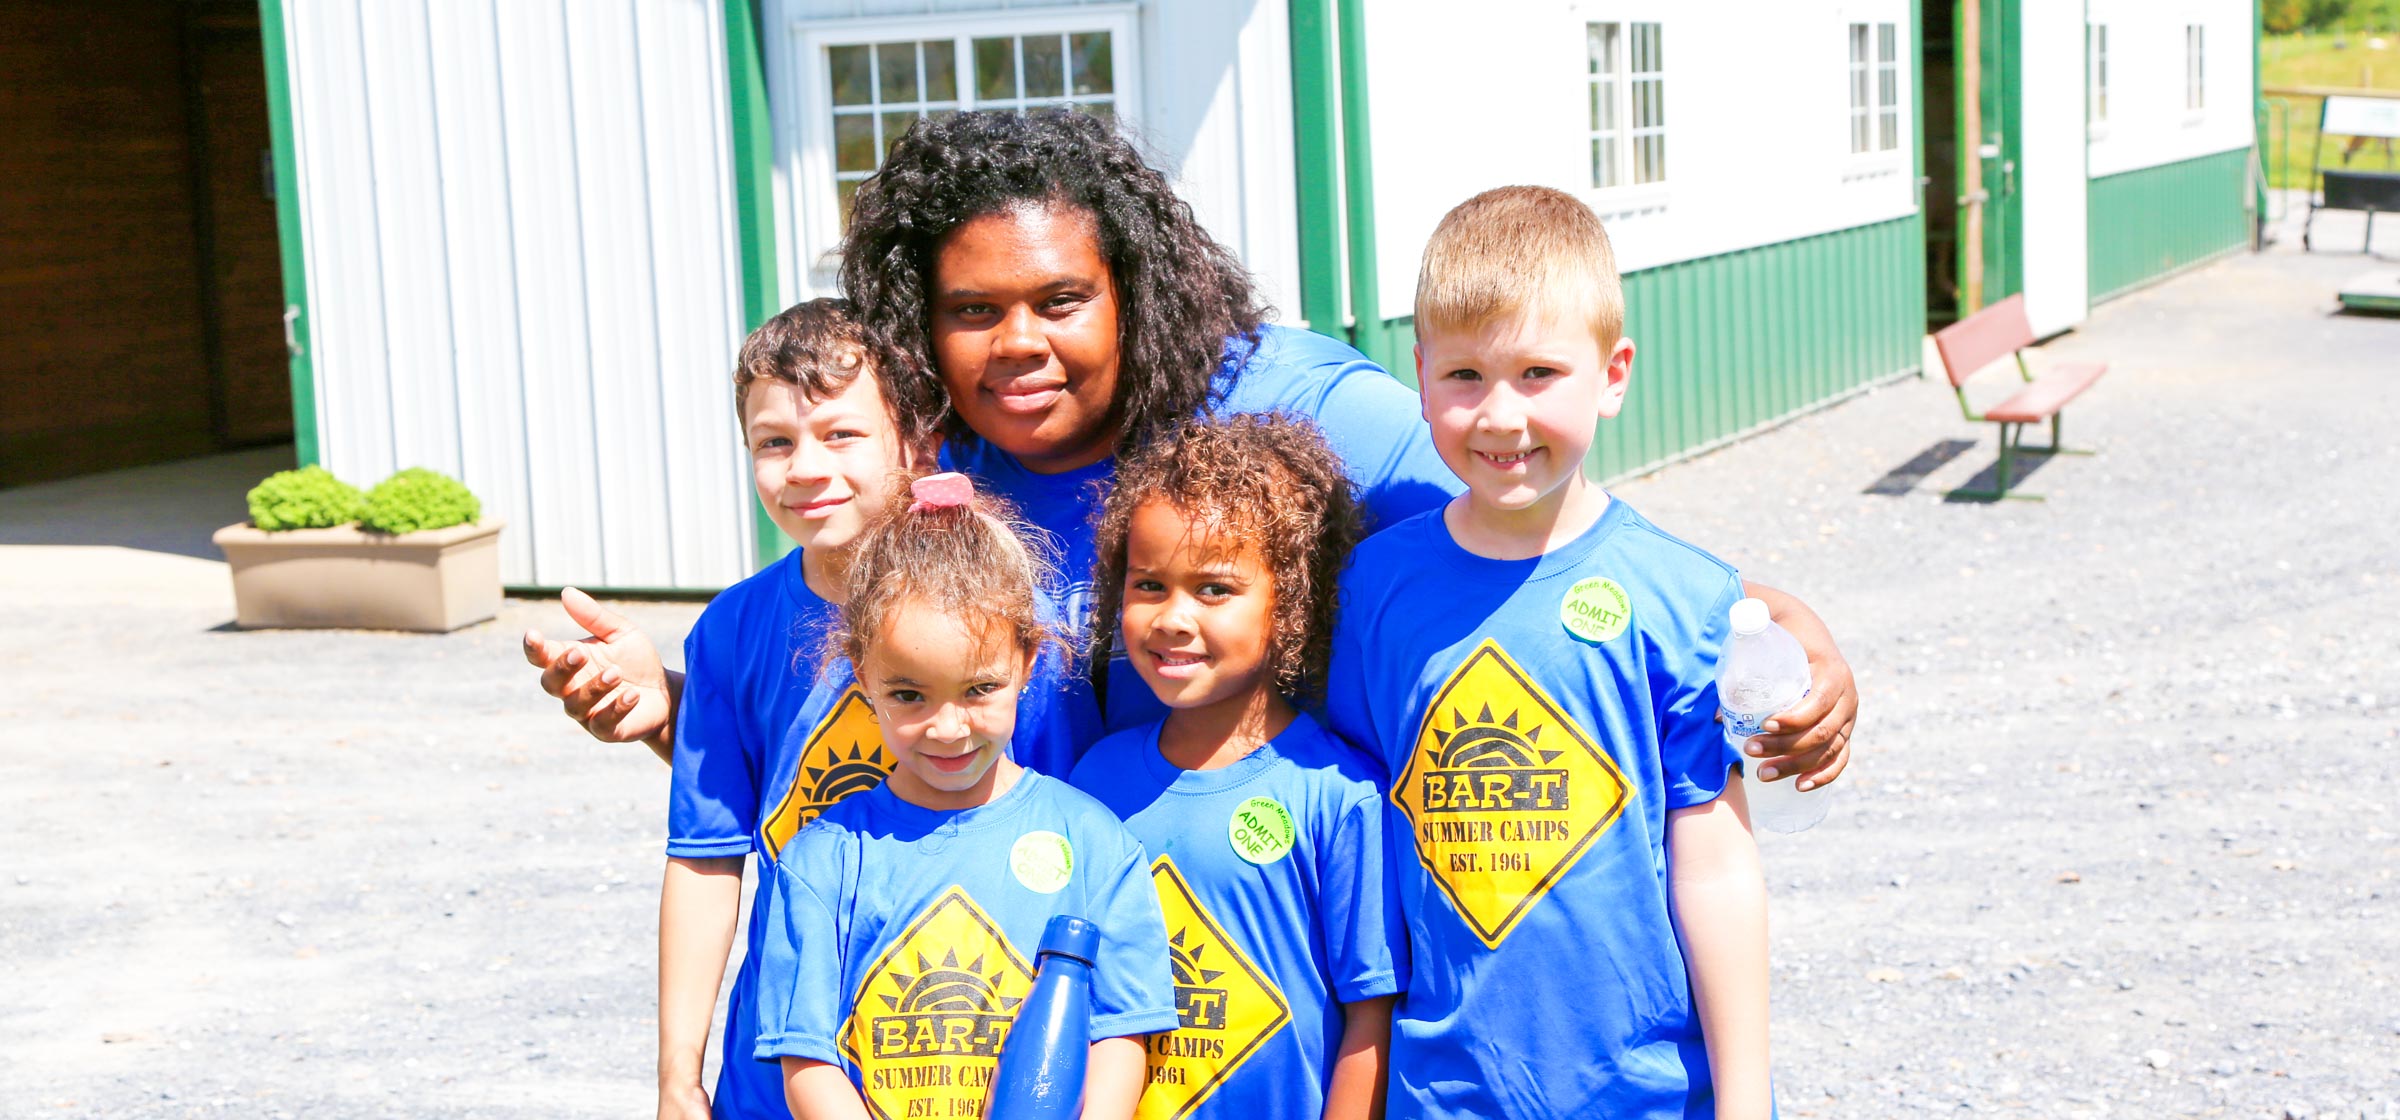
(416, 499)
(307, 498)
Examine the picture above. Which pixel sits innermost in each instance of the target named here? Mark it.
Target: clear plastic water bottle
(1764, 671)
(1041, 1062)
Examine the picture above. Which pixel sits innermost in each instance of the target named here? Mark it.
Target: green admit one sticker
(1261, 830)
(1595, 609)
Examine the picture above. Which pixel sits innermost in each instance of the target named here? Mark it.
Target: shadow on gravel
(1902, 479)
(2028, 463)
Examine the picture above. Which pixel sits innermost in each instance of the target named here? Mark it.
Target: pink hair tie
(941, 491)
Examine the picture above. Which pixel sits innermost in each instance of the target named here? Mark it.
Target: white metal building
(526, 239)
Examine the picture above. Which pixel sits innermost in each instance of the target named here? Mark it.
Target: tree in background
(2283, 17)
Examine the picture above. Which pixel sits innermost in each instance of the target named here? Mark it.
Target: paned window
(1887, 87)
(2194, 88)
(1874, 87)
(876, 90)
(1626, 64)
(2095, 53)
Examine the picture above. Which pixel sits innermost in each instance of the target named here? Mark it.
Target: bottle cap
(1070, 936)
(1749, 616)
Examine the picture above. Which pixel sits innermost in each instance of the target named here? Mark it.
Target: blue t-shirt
(1372, 421)
(899, 939)
(768, 734)
(1273, 878)
(1540, 719)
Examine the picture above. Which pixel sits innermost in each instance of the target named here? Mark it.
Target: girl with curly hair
(1219, 548)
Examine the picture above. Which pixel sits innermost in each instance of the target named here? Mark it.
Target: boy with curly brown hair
(1218, 550)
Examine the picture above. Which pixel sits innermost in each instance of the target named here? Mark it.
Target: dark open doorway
(1939, 72)
(141, 302)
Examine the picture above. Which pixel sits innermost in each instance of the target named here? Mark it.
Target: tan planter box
(435, 580)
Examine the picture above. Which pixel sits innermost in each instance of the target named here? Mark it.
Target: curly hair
(1267, 481)
(976, 562)
(1181, 296)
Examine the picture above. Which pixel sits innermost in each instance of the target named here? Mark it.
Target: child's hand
(611, 683)
(1811, 738)
(687, 1102)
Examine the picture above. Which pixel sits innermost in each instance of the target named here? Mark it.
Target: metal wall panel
(482, 272)
(2148, 122)
(1727, 344)
(1757, 145)
(522, 270)
(2051, 178)
(871, 9)
(2151, 223)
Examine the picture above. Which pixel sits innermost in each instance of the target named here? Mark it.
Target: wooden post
(1970, 148)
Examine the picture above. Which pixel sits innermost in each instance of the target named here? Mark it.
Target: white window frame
(1628, 198)
(1877, 161)
(1858, 81)
(2195, 72)
(810, 129)
(2095, 78)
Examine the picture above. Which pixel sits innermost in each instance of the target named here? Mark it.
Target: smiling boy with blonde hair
(1535, 664)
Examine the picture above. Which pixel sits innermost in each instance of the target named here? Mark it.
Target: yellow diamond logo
(1503, 792)
(1225, 1007)
(926, 1026)
(844, 756)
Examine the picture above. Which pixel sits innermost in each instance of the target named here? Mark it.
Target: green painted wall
(754, 208)
(286, 163)
(1725, 344)
(2150, 223)
(1316, 147)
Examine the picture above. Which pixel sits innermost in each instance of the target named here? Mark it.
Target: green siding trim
(754, 208)
(2258, 117)
(2003, 93)
(1336, 174)
(1358, 189)
(2148, 224)
(287, 233)
(1916, 95)
(1730, 344)
(1316, 143)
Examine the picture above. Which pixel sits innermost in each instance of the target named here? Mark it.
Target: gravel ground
(2117, 843)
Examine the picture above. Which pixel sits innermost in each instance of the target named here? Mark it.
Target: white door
(2052, 180)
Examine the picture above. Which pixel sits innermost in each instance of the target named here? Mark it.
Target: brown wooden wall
(139, 283)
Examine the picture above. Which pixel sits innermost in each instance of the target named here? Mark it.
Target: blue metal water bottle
(1041, 1064)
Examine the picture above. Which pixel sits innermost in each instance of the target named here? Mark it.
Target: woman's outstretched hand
(612, 684)
(1811, 738)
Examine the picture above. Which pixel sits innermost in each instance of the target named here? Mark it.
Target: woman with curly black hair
(1050, 302)
(1045, 301)
(1059, 182)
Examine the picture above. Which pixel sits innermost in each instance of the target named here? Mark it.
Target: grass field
(2315, 60)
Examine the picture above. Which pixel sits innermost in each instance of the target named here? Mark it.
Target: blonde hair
(974, 562)
(1512, 250)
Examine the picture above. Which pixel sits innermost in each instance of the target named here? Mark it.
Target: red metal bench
(2001, 331)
